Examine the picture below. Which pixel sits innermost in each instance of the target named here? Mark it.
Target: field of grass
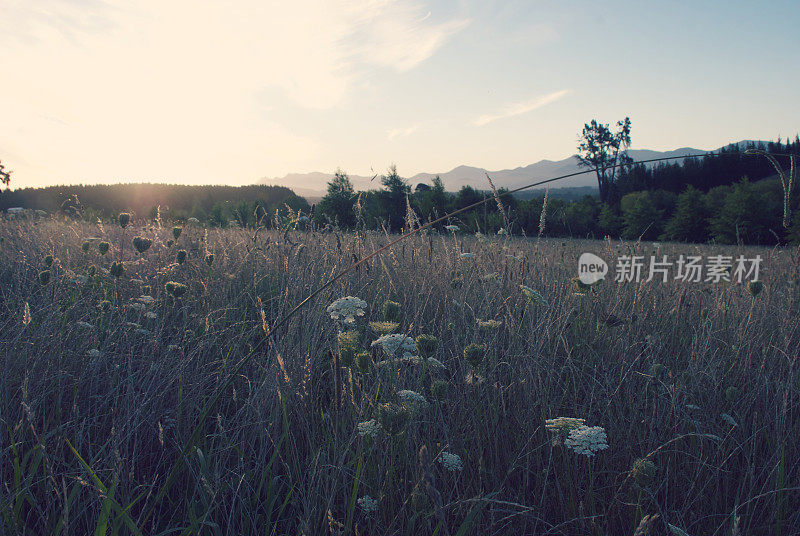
(128, 407)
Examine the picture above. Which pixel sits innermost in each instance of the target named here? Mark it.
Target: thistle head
(175, 289)
(124, 219)
(643, 471)
(48, 260)
(181, 256)
(141, 243)
(427, 345)
(116, 269)
(176, 232)
(474, 354)
(102, 247)
(85, 247)
(44, 277)
(755, 288)
(393, 417)
(391, 311)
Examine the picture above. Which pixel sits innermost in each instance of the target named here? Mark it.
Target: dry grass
(280, 452)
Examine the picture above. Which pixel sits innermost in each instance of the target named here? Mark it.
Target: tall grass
(89, 437)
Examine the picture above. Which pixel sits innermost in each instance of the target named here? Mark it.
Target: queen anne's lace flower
(587, 440)
(533, 295)
(347, 309)
(452, 228)
(451, 462)
(145, 299)
(395, 342)
(368, 504)
(369, 428)
(563, 425)
(467, 255)
(412, 398)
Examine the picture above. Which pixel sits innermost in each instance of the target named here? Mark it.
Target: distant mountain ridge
(315, 184)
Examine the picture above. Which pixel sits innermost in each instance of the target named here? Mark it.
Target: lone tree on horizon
(603, 151)
(5, 176)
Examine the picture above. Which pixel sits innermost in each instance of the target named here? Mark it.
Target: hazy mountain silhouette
(315, 184)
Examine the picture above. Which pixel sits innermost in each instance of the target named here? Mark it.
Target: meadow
(165, 395)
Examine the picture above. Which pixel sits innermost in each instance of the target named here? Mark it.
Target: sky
(211, 92)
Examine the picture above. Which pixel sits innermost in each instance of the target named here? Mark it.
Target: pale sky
(230, 92)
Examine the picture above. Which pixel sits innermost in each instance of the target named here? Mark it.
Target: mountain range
(314, 185)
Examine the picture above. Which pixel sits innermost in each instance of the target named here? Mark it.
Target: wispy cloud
(520, 108)
(401, 132)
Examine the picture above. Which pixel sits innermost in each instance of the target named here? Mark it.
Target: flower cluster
(369, 428)
(563, 425)
(368, 504)
(587, 440)
(451, 462)
(395, 342)
(533, 296)
(347, 309)
(452, 228)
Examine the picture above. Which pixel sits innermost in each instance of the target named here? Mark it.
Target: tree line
(727, 197)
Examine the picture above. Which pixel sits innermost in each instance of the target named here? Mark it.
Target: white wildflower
(347, 309)
(502, 231)
(452, 228)
(412, 398)
(136, 306)
(93, 353)
(452, 462)
(368, 504)
(369, 428)
(84, 325)
(435, 363)
(563, 425)
(692, 407)
(533, 295)
(587, 440)
(145, 299)
(143, 332)
(150, 315)
(467, 255)
(394, 342)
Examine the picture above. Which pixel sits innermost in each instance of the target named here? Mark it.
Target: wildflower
(474, 354)
(136, 306)
(393, 417)
(94, 353)
(412, 398)
(368, 504)
(391, 311)
(210, 259)
(180, 257)
(48, 261)
(117, 269)
(133, 325)
(141, 243)
(493, 277)
(346, 309)
(369, 428)
(193, 221)
(513, 257)
(44, 277)
(383, 328)
(563, 425)
(84, 325)
(533, 295)
(363, 361)
(451, 462)
(145, 299)
(150, 315)
(755, 288)
(435, 363)
(176, 232)
(643, 471)
(395, 342)
(728, 419)
(732, 393)
(502, 231)
(143, 332)
(489, 325)
(172, 347)
(587, 440)
(85, 247)
(452, 228)
(175, 289)
(692, 407)
(124, 219)
(467, 255)
(439, 389)
(427, 345)
(102, 247)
